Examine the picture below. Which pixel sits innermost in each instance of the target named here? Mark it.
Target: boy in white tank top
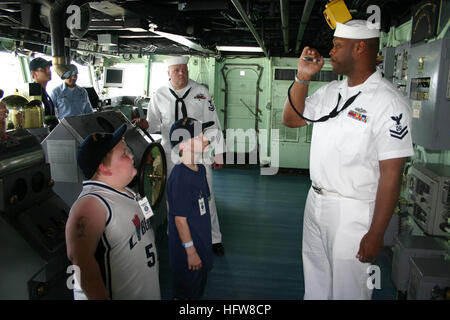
(108, 237)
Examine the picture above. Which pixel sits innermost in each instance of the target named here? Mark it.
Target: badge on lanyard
(145, 208)
(201, 204)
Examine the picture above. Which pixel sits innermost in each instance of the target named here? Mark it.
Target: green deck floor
(261, 221)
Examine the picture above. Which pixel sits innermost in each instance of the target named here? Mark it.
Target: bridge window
(158, 76)
(12, 75)
(133, 80)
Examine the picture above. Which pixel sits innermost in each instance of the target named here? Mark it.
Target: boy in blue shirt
(190, 244)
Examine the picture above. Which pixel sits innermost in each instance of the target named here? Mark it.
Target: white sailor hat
(357, 29)
(176, 60)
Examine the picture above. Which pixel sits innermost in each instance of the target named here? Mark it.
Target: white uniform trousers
(215, 228)
(333, 227)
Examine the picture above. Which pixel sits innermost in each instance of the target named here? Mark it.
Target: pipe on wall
(284, 4)
(249, 24)
(304, 22)
(61, 59)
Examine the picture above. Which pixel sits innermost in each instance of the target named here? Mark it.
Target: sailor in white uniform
(182, 97)
(361, 139)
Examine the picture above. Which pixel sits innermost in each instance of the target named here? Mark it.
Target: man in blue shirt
(70, 99)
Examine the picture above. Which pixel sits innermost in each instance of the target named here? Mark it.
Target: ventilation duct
(58, 28)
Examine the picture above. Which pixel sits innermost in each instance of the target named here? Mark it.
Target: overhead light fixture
(183, 41)
(107, 40)
(239, 49)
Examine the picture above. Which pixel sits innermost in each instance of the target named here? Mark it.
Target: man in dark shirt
(40, 70)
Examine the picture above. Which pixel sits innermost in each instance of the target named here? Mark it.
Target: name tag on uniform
(145, 208)
(201, 204)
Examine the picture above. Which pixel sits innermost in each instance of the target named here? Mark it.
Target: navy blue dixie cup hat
(39, 63)
(95, 147)
(188, 124)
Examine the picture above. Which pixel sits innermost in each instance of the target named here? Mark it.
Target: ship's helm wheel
(153, 174)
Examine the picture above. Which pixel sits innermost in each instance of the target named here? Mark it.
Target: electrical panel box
(428, 275)
(429, 198)
(429, 93)
(400, 76)
(408, 246)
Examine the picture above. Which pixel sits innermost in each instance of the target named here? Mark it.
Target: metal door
(242, 114)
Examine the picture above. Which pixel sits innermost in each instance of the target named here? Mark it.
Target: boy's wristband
(188, 244)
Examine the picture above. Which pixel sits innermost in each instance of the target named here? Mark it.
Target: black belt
(324, 192)
(183, 105)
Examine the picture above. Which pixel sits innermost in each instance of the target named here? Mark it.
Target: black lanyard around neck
(333, 112)
(183, 105)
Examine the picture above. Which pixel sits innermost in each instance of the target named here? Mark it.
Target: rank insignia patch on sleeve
(398, 130)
